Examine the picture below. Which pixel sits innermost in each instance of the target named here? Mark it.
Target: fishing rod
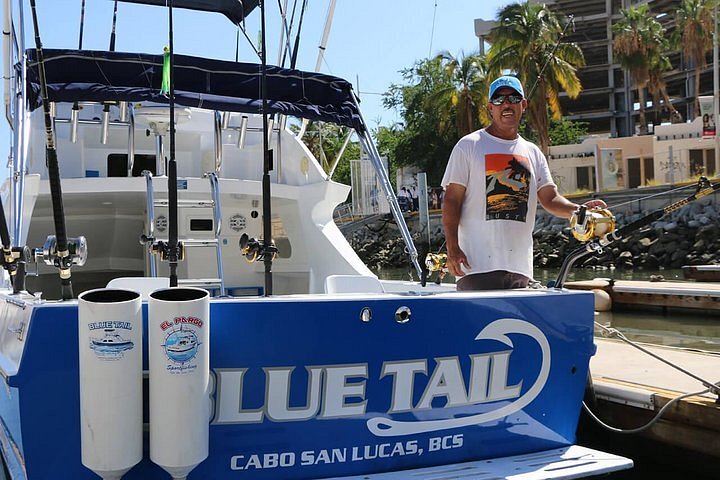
(173, 250)
(58, 247)
(267, 161)
(114, 23)
(13, 259)
(599, 225)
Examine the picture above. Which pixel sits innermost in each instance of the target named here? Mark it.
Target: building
(675, 154)
(608, 100)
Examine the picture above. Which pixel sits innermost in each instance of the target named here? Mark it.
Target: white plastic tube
(179, 360)
(110, 362)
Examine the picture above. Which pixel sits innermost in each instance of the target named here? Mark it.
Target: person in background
(493, 181)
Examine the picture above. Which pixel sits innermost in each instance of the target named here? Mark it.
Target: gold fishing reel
(436, 262)
(586, 224)
(254, 249)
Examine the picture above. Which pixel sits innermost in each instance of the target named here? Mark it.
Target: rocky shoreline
(689, 236)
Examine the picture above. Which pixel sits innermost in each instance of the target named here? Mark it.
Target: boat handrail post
(217, 130)
(150, 237)
(374, 156)
(217, 218)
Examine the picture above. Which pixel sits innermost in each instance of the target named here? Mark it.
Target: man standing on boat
(493, 181)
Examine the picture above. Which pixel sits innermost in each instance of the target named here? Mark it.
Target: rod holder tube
(242, 132)
(179, 359)
(110, 367)
(74, 120)
(105, 126)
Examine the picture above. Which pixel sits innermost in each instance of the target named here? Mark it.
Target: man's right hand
(456, 259)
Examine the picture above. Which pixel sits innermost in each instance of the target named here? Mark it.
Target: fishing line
(571, 21)
(432, 30)
(666, 192)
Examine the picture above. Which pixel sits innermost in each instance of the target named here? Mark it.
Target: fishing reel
(162, 249)
(586, 224)
(76, 253)
(254, 249)
(436, 262)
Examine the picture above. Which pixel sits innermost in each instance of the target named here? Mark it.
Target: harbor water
(677, 328)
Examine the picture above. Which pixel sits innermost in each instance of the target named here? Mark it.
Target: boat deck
(631, 386)
(636, 293)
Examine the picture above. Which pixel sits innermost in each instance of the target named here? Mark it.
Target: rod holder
(270, 124)
(179, 361)
(110, 367)
(123, 111)
(225, 120)
(105, 126)
(242, 132)
(74, 119)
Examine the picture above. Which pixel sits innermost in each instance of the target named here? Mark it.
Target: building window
(702, 162)
(585, 178)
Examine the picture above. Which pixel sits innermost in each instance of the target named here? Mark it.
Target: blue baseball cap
(506, 81)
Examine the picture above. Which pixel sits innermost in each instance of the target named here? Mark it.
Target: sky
(370, 41)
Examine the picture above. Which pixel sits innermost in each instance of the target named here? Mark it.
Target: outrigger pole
(173, 253)
(63, 260)
(704, 188)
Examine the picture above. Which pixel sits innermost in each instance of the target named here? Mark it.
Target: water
(698, 330)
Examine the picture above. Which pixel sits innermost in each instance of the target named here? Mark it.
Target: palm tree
(639, 42)
(658, 88)
(528, 41)
(466, 90)
(694, 22)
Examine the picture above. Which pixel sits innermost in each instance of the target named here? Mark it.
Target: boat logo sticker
(110, 339)
(181, 343)
(498, 331)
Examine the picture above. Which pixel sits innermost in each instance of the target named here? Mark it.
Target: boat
(702, 273)
(112, 339)
(314, 368)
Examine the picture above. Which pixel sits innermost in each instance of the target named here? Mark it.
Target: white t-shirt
(501, 178)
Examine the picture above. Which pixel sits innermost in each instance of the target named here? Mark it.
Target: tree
(465, 95)
(694, 24)
(325, 140)
(658, 88)
(639, 43)
(429, 128)
(528, 41)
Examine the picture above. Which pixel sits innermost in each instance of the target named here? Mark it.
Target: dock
(631, 387)
(666, 294)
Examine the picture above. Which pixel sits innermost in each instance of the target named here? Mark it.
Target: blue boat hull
(468, 377)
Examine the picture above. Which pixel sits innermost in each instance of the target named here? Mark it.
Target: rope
(648, 424)
(714, 388)
(711, 387)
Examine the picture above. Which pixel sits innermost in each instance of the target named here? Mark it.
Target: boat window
(279, 235)
(117, 164)
(201, 225)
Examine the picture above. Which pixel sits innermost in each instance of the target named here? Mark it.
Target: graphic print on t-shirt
(507, 181)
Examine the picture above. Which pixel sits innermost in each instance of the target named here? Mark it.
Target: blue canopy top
(235, 10)
(101, 76)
